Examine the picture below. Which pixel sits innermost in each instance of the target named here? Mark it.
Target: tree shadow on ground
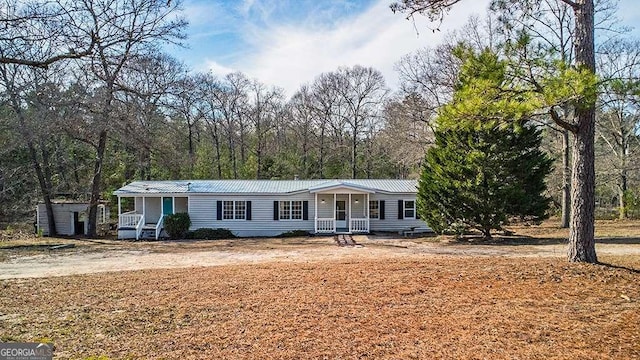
(529, 240)
(620, 267)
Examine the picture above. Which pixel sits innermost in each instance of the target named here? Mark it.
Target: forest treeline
(81, 126)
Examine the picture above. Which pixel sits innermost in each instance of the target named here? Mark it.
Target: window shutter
(219, 210)
(401, 209)
(275, 210)
(381, 209)
(305, 210)
(248, 210)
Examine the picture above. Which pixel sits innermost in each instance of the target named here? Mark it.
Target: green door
(167, 206)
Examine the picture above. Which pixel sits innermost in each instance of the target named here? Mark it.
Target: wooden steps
(345, 240)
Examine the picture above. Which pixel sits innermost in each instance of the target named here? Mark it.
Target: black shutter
(381, 209)
(305, 210)
(248, 210)
(219, 212)
(275, 210)
(400, 209)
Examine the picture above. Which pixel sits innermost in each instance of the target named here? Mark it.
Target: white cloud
(289, 55)
(217, 69)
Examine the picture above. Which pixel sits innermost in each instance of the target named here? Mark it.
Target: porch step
(148, 234)
(345, 240)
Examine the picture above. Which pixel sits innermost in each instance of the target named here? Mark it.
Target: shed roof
(263, 186)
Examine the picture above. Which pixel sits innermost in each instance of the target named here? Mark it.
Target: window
(290, 210)
(374, 209)
(285, 210)
(234, 210)
(296, 210)
(409, 209)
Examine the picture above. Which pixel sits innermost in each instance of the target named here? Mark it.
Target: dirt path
(116, 256)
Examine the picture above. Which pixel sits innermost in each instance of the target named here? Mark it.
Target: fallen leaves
(436, 307)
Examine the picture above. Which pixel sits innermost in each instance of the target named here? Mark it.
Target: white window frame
(405, 208)
(291, 211)
(234, 207)
(377, 217)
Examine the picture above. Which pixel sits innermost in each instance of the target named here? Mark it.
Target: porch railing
(139, 227)
(129, 219)
(159, 226)
(327, 225)
(359, 225)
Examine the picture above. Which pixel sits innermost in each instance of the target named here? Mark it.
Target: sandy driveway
(118, 256)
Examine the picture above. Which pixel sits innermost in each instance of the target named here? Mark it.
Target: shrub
(210, 234)
(294, 233)
(177, 225)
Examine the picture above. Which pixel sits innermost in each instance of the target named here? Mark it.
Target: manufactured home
(269, 207)
(71, 217)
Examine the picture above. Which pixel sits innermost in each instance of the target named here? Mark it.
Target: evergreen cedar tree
(481, 178)
(582, 223)
(486, 166)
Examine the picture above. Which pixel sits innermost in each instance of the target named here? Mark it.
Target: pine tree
(486, 166)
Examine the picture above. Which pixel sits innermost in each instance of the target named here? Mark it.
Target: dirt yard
(28, 257)
(514, 297)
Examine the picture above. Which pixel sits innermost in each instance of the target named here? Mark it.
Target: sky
(287, 43)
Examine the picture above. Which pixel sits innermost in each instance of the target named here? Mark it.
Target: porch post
(349, 212)
(144, 208)
(173, 204)
(315, 214)
(367, 212)
(366, 208)
(334, 212)
(119, 210)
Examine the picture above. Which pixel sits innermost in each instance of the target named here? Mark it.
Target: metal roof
(263, 186)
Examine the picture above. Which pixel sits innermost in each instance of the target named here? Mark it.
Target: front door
(341, 214)
(167, 206)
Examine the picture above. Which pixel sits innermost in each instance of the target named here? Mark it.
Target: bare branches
(433, 9)
(72, 54)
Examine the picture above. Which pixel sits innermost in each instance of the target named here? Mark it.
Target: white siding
(326, 210)
(391, 221)
(202, 211)
(63, 215)
(152, 209)
(357, 210)
(181, 204)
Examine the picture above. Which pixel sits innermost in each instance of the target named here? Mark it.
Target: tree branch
(563, 124)
(46, 62)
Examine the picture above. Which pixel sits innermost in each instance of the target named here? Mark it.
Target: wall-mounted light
(356, 201)
(322, 201)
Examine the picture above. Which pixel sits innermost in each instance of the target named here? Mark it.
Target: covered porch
(342, 208)
(143, 216)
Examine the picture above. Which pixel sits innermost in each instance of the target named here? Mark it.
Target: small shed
(71, 217)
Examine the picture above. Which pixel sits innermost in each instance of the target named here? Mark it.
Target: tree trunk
(322, 153)
(581, 236)
(622, 182)
(566, 180)
(96, 184)
(216, 140)
(622, 192)
(43, 181)
(354, 154)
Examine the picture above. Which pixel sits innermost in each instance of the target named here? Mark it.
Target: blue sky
(289, 42)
